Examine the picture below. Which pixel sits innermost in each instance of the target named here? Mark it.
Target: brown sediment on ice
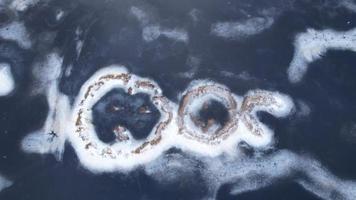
(253, 102)
(248, 108)
(139, 83)
(145, 84)
(122, 76)
(178, 126)
(221, 133)
(259, 98)
(163, 105)
(121, 133)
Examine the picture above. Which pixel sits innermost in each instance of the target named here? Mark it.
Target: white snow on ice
(7, 83)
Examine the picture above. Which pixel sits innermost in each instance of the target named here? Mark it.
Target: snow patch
(17, 32)
(23, 5)
(313, 44)
(241, 29)
(52, 136)
(153, 32)
(7, 83)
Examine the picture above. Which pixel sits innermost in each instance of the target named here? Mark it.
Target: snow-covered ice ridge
(313, 44)
(175, 128)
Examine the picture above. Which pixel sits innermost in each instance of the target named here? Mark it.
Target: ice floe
(7, 83)
(16, 31)
(313, 44)
(241, 29)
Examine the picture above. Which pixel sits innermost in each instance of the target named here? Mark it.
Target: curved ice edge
(313, 44)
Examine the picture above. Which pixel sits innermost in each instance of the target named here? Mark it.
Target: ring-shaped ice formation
(132, 152)
(195, 98)
(175, 127)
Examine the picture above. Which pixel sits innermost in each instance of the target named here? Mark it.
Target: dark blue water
(135, 112)
(112, 36)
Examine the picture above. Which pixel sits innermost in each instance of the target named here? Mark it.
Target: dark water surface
(112, 36)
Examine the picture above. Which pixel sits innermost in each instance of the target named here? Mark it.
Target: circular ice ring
(94, 89)
(207, 91)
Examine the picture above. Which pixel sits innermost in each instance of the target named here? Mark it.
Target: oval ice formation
(198, 96)
(7, 83)
(179, 126)
(313, 44)
(128, 152)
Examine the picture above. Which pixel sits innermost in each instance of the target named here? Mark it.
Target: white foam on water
(150, 33)
(349, 4)
(313, 44)
(7, 83)
(23, 5)
(140, 15)
(16, 31)
(4, 183)
(241, 29)
(244, 75)
(153, 32)
(176, 34)
(195, 15)
(59, 15)
(303, 109)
